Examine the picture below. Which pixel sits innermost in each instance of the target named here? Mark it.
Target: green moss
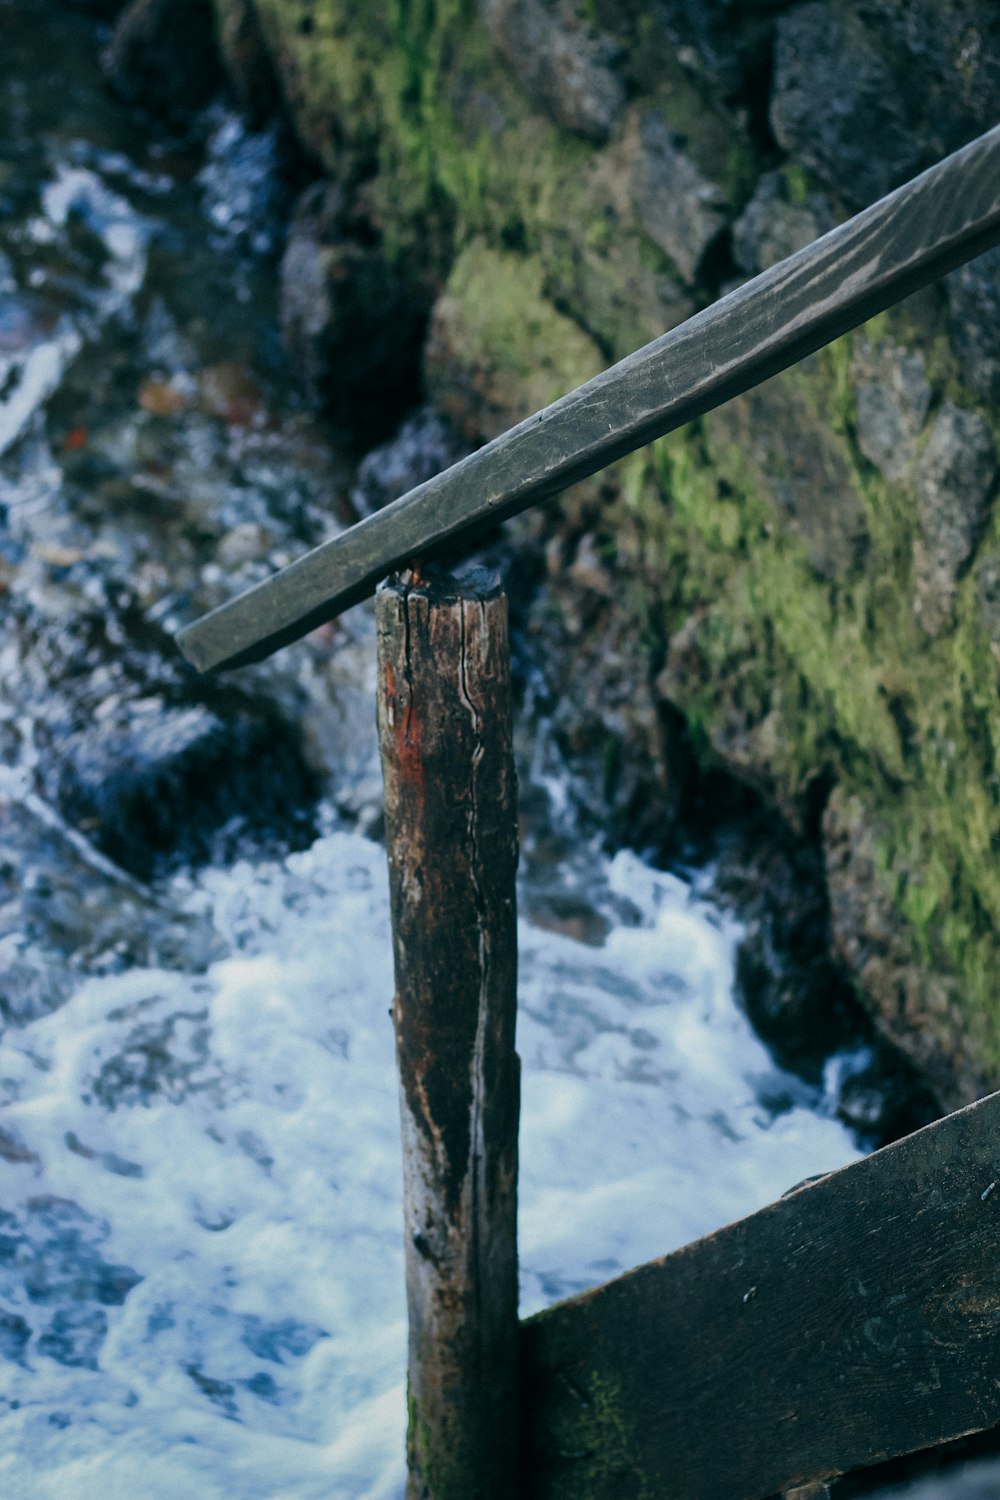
(520, 352)
(707, 134)
(838, 675)
(411, 95)
(794, 662)
(605, 1443)
(797, 182)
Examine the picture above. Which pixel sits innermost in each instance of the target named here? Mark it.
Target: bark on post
(450, 802)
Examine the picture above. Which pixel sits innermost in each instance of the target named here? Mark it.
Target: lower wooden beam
(856, 1320)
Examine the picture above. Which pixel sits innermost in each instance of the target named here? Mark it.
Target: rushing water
(200, 1247)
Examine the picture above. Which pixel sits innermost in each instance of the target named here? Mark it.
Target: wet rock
(954, 482)
(988, 582)
(914, 1006)
(221, 1393)
(797, 999)
(561, 61)
(66, 914)
(74, 1337)
(679, 208)
(109, 1160)
(247, 61)
(152, 783)
(893, 397)
(788, 978)
(162, 56)
(14, 1150)
(166, 1057)
(424, 445)
(867, 96)
(148, 763)
(775, 224)
(745, 729)
(280, 1341)
(973, 293)
(882, 1099)
(726, 41)
(351, 324)
(624, 753)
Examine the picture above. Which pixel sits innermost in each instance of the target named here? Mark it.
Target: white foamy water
(200, 1239)
(33, 356)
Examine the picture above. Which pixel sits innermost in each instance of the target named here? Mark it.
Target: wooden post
(450, 803)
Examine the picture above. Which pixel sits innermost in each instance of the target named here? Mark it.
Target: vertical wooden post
(450, 802)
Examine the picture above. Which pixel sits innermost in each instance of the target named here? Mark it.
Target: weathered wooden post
(450, 803)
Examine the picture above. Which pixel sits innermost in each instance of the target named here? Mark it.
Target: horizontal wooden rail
(855, 1320)
(943, 217)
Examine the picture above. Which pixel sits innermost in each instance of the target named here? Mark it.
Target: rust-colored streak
(405, 723)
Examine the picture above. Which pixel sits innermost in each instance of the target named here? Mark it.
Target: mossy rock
(770, 565)
(802, 671)
(498, 349)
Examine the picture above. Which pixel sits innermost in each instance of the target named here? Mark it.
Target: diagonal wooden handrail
(947, 215)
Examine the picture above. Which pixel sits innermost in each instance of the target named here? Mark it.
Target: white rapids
(200, 1236)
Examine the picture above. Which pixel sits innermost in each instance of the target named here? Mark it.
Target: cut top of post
(947, 215)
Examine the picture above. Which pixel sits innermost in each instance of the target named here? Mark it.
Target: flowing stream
(201, 1282)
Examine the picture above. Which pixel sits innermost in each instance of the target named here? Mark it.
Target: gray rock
(728, 42)
(772, 227)
(679, 208)
(247, 61)
(833, 97)
(147, 762)
(65, 914)
(988, 581)
(973, 293)
(351, 324)
(561, 62)
(893, 396)
(954, 482)
(799, 465)
(871, 940)
(153, 783)
(622, 755)
(424, 445)
(162, 55)
(865, 97)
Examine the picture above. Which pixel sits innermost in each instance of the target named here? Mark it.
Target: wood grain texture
(451, 832)
(854, 1320)
(943, 217)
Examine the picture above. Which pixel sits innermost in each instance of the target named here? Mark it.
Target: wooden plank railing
(947, 215)
(856, 1319)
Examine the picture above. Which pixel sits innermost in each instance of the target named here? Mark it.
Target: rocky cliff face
(809, 579)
